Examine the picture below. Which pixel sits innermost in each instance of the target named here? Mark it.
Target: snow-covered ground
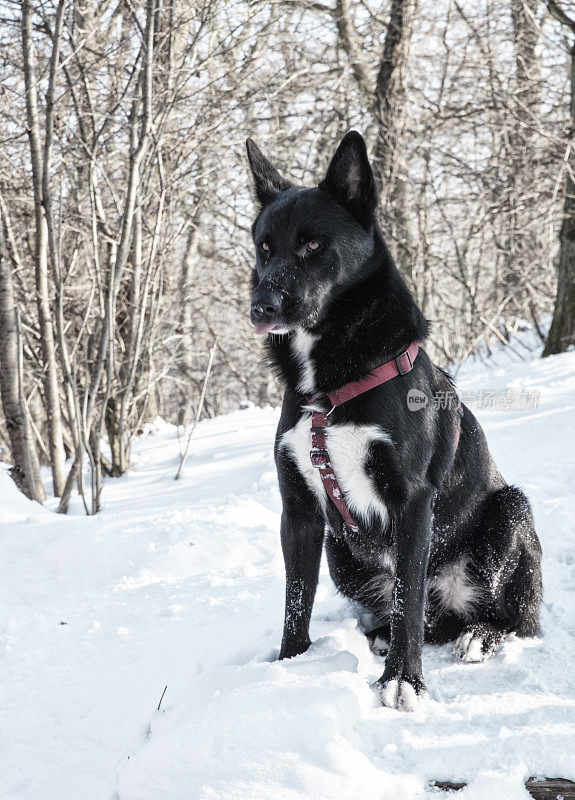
(181, 584)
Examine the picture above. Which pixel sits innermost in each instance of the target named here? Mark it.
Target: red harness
(320, 422)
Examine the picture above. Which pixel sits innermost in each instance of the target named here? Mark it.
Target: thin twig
(199, 409)
(162, 697)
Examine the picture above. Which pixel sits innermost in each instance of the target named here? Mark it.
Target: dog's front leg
(402, 679)
(302, 531)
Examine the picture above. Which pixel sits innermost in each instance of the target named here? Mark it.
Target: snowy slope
(181, 584)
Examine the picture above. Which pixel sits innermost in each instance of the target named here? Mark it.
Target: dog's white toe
(469, 648)
(398, 694)
(390, 693)
(407, 698)
(379, 646)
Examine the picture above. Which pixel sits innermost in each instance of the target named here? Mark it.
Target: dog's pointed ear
(350, 180)
(267, 181)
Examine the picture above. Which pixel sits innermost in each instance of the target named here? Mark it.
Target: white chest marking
(348, 447)
(453, 589)
(301, 345)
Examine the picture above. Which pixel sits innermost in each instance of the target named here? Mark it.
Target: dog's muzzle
(265, 311)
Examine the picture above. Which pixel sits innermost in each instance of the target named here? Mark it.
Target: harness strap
(320, 459)
(391, 369)
(319, 455)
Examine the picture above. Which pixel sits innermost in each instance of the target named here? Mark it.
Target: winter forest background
(125, 200)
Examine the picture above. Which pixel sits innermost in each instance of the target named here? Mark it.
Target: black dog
(443, 548)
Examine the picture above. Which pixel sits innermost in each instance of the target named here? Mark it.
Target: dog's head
(310, 243)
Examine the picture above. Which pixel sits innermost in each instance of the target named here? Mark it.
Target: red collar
(391, 369)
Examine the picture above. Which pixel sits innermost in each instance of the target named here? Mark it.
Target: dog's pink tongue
(264, 327)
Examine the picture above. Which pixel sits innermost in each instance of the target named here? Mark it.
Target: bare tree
(25, 469)
(390, 167)
(562, 333)
(40, 162)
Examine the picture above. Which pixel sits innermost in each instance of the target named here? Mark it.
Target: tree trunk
(118, 445)
(55, 442)
(25, 471)
(386, 98)
(521, 223)
(391, 174)
(390, 168)
(186, 350)
(562, 332)
(390, 98)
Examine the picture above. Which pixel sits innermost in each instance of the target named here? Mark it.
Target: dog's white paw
(469, 647)
(477, 643)
(399, 694)
(379, 646)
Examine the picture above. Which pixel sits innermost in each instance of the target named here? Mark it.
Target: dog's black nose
(265, 305)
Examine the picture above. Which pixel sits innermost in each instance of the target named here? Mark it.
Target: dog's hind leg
(506, 562)
(370, 586)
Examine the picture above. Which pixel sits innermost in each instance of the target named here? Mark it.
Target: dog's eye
(314, 246)
(264, 247)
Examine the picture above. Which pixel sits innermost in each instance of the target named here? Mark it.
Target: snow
(180, 584)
